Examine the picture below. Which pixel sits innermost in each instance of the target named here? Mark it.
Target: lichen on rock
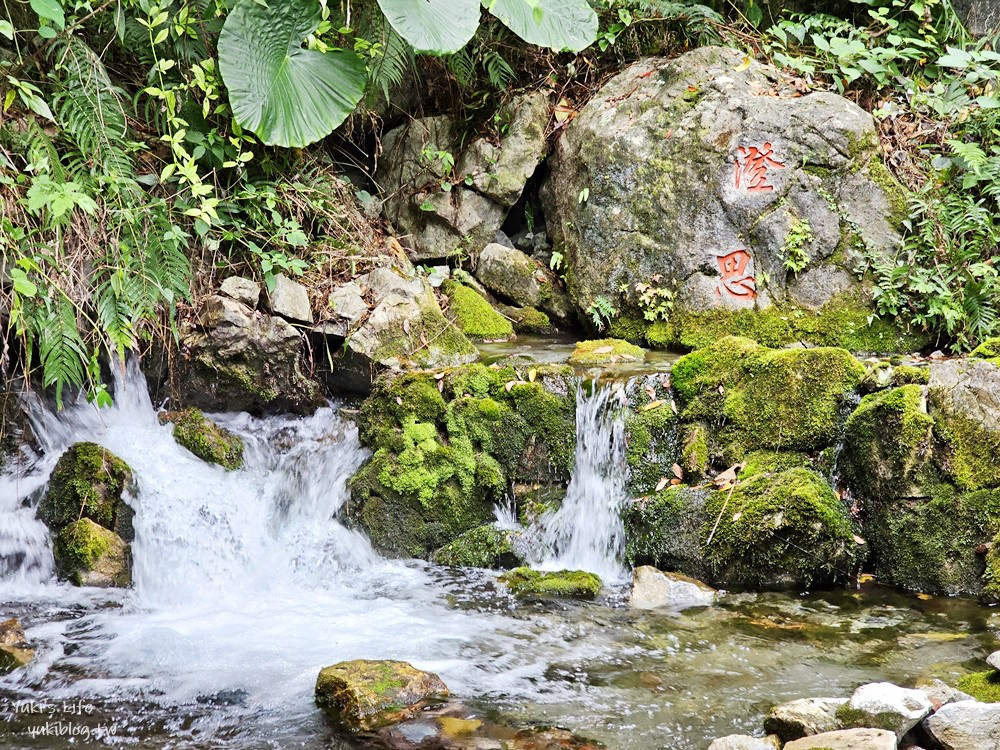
(204, 438)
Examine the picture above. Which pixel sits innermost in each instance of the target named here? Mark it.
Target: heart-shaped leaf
(558, 24)
(434, 27)
(286, 94)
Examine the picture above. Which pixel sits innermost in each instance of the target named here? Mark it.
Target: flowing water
(246, 584)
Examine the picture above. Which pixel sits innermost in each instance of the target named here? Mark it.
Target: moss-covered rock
(363, 695)
(989, 349)
(88, 481)
(758, 398)
(530, 320)
(485, 547)
(15, 652)
(983, 686)
(772, 462)
(447, 448)
(650, 434)
(664, 530)
(909, 375)
(91, 555)
(605, 352)
(991, 576)
(526, 583)
(475, 316)
(204, 438)
(783, 530)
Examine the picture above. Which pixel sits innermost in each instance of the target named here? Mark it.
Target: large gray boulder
(888, 706)
(804, 717)
(485, 181)
(516, 278)
(701, 174)
(654, 589)
(745, 742)
(847, 739)
(234, 358)
(967, 725)
(390, 320)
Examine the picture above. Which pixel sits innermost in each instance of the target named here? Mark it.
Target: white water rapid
(586, 532)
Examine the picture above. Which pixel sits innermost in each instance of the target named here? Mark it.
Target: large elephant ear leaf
(287, 95)
(435, 27)
(558, 24)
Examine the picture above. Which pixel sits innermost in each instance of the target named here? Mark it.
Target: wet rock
(486, 547)
(526, 583)
(474, 316)
(289, 299)
(529, 320)
(348, 307)
(994, 660)
(239, 359)
(14, 649)
(745, 742)
(700, 174)
(404, 328)
(437, 223)
(665, 530)
(804, 717)
(654, 589)
(525, 282)
(886, 706)
(605, 352)
(847, 739)
(981, 16)
(242, 290)
(967, 725)
(550, 738)
(940, 693)
(204, 438)
(362, 695)
(89, 481)
(91, 555)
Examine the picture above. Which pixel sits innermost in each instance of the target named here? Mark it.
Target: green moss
(759, 398)
(664, 530)
(694, 451)
(605, 351)
(851, 718)
(88, 482)
(528, 583)
(786, 530)
(448, 447)
(204, 438)
(983, 686)
(897, 195)
(530, 320)
(475, 316)
(84, 546)
(971, 449)
(989, 349)
(909, 375)
(651, 445)
(771, 462)
(991, 576)
(484, 547)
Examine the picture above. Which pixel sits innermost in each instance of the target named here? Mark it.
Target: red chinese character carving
(736, 275)
(751, 168)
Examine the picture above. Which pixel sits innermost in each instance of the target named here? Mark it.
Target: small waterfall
(586, 533)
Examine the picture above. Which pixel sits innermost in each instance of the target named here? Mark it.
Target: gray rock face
(436, 223)
(402, 327)
(701, 174)
(654, 589)
(885, 704)
(514, 276)
(242, 290)
(981, 16)
(847, 739)
(941, 693)
(238, 359)
(967, 725)
(804, 717)
(970, 387)
(745, 742)
(289, 299)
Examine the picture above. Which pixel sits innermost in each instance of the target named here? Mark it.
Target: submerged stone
(526, 583)
(90, 555)
(204, 438)
(14, 649)
(363, 695)
(654, 589)
(88, 481)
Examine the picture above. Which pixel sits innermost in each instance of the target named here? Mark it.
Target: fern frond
(498, 70)
(63, 353)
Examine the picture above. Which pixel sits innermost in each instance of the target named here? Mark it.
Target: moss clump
(665, 530)
(204, 438)
(694, 451)
(765, 399)
(971, 449)
(651, 445)
(475, 316)
(529, 584)
(851, 718)
(989, 349)
(785, 530)
(983, 686)
(88, 554)
(88, 482)
(363, 695)
(772, 462)
(909, 375)
(604, 352)
(531, 320)
(484, 547)
(888, 441)
(991, 576)
(448, 447)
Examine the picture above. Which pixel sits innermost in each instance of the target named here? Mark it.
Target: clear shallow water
(246, 585)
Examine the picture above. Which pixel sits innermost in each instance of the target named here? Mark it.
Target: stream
(246, 584)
